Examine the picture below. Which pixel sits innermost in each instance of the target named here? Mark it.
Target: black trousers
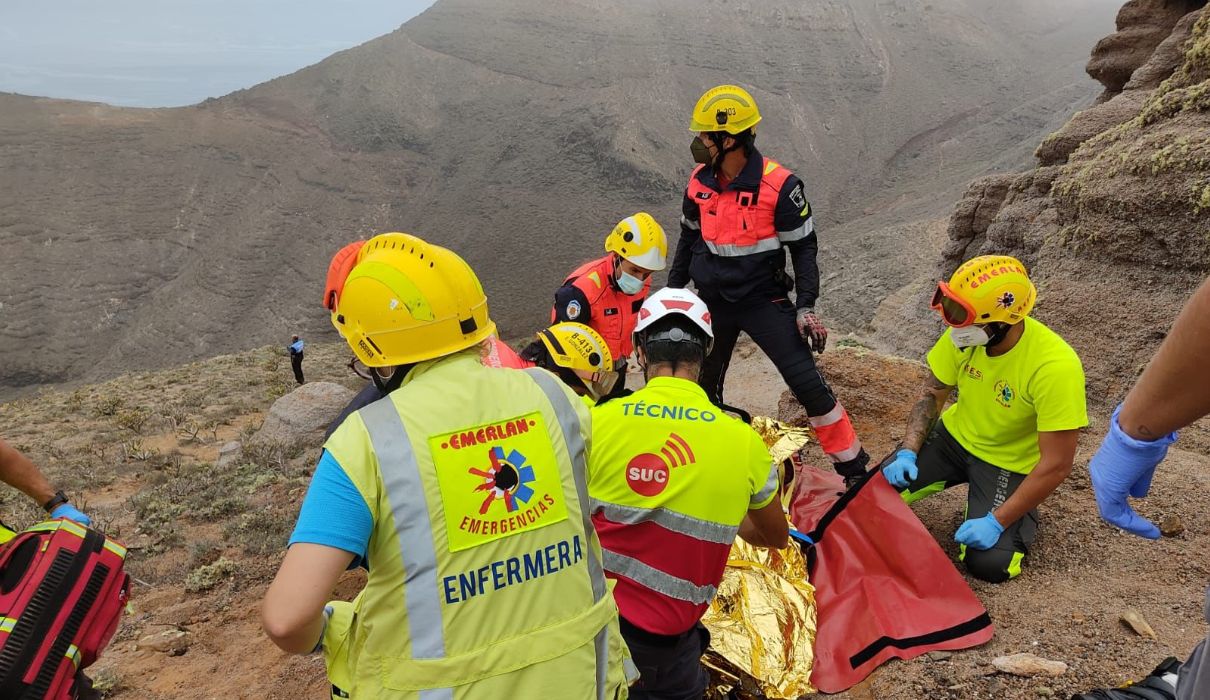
(296, 363)
(670, 668)
(771, 325)
(943, 463)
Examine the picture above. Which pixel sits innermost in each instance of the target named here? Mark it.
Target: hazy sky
(158, 53)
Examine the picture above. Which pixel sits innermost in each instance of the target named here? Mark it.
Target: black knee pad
(989, 565)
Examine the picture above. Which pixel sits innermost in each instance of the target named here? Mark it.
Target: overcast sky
(160, 53)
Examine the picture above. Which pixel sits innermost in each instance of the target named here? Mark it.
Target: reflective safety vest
(672, 478)
(613, 314)
(486, 575)
(740, 222)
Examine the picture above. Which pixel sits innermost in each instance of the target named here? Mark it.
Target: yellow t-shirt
(1005, 401)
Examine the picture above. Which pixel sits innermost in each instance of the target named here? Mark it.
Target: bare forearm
(920, 421)
(18, 471)
(1040, 483)
(1174, 390)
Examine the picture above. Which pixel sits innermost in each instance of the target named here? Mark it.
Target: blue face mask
(629, 284)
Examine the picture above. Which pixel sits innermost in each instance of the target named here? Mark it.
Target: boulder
(304, 414)
(229, 454)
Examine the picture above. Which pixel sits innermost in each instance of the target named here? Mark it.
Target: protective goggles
(955, 310)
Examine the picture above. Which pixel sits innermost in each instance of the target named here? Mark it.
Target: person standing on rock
(1173, 392)
(18, 471)
(674, 479)
(296, 357)
(740, 214)
(1012, 433)
(606, 293)
(465, 489)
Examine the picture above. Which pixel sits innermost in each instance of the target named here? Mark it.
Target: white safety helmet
(670, 300)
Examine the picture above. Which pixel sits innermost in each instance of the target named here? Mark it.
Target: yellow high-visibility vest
(485, 572)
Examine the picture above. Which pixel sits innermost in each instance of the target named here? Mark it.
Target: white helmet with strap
(672, 301)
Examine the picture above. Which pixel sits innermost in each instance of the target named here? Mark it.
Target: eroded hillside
(516, 132)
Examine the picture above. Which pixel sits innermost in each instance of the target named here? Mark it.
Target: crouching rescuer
(1012, 433)
(465, 491)
(673, 479)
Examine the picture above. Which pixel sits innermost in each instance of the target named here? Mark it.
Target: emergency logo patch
(1005, 394)
(1006, 300)
(647, 474)
(573, 310)
(497, 480)
(799, 198)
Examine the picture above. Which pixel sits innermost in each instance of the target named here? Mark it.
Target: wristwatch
(55, 501)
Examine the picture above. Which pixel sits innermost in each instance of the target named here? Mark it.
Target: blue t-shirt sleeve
(333, 512)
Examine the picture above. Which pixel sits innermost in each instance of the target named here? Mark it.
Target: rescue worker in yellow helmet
(608, 292)
(674, 479)
(740, 215)
(465, 490)
(576, 354)
(1012, 432)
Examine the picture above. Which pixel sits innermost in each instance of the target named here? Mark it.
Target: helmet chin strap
(392, 382)
(996, 333)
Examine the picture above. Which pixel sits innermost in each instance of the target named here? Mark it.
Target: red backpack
(62, 593)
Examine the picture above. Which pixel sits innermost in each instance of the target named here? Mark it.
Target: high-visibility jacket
(732, 235)
(672, 479)
(486, 577)
(736, 223)
(594, 301)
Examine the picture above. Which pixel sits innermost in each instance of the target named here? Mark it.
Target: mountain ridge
(147, 237)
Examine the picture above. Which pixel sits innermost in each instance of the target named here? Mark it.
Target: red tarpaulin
(883, 587)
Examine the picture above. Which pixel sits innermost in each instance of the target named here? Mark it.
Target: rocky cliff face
(1115, 220)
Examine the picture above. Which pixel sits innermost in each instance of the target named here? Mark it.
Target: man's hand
(1124, 465)
(902, 470)
(979, 533)
(67, 510)
(812, 329)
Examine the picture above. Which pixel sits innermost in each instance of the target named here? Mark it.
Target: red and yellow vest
(613, 314)
(740, 222)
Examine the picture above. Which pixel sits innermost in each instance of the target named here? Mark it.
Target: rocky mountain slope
(1115, 220)
(517, 132)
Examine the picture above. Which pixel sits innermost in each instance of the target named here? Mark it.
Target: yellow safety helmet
(986, 289)
(728, 108)
(641, 240)
(580, 350)
(406, 301)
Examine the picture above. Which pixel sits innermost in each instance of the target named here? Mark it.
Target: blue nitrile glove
(1124, 465)
(67, 510)
(902, 470)
(980, 533)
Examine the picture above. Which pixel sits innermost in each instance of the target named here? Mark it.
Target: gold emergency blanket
(783, 441)
(762, 622)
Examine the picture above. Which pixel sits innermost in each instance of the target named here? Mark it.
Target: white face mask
(629, 284)
(969, 336)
